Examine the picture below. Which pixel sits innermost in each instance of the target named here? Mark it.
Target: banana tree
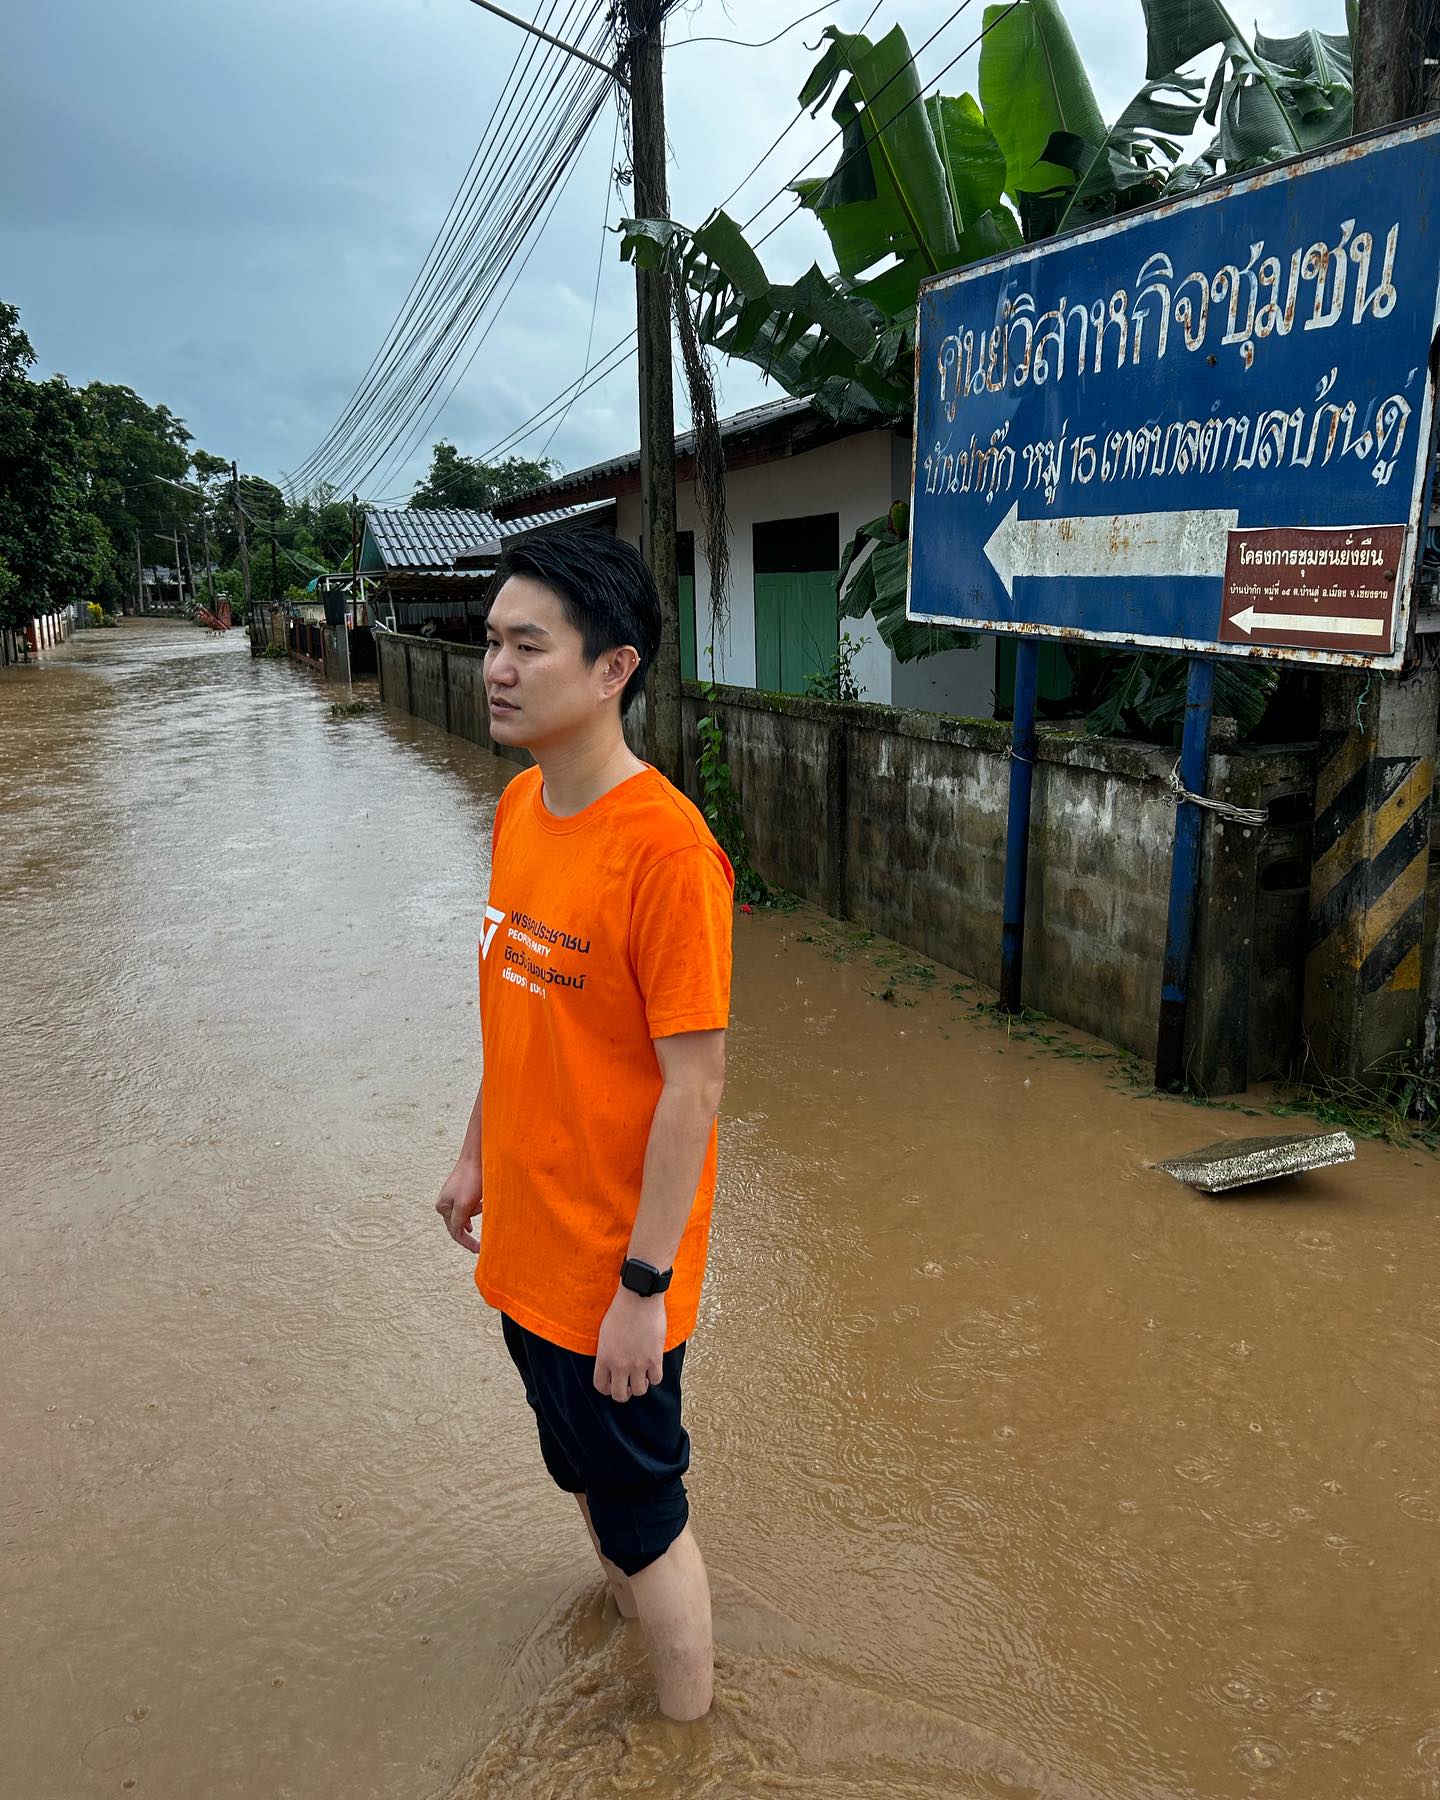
(923, 185)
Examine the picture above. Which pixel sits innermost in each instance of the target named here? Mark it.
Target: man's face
(540, 688)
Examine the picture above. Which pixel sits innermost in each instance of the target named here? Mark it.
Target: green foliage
(1143, 694)
(1033, 85)
(917, 188)
(838, 682)
(720, 804)
(51, 542)
(96, 612)
(1398, 1100)
(873, 578)
(466, 481)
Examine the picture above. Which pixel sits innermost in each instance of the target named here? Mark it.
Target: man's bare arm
(692, 1066)
(632, 1335)
(463, 1194)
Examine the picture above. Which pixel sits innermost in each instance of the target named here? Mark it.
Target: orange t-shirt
(604, 931)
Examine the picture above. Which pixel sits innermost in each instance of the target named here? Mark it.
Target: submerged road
(1019, 1469)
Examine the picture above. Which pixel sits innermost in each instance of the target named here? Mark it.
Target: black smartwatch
(644, 1278)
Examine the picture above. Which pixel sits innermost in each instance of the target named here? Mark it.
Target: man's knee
(636, 1529)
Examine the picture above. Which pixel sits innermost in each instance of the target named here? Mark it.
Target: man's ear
(616, 667)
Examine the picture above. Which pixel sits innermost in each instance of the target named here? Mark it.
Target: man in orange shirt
(604, 998)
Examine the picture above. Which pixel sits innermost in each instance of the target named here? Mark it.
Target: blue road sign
(1205, 426)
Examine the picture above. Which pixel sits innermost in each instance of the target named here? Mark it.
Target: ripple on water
(1259, 1756)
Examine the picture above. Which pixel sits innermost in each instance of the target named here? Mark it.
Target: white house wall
(858, 478)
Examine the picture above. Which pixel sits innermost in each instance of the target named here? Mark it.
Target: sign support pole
(1017, 823)
(1184, 878)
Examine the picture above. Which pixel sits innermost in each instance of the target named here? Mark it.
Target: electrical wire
(439, 245)
(756, 43)
(909, 62)
(450, 312)
(767, 154)
(469, 294)
(522, 431)
(610, 185)
(574, 390)
(490, 225)
(419, 432)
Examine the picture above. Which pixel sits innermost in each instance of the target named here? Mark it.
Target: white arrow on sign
(1250, 620)
(1114, 545)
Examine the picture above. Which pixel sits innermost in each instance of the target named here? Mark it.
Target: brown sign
(1312, 588)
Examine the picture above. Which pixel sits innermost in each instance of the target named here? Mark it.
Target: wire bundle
(546, 110)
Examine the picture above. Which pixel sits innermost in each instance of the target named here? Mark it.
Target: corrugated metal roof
(738, 425)
(406, 537)
(595, 512)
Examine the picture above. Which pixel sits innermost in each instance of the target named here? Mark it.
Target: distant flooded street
(1020, 1470)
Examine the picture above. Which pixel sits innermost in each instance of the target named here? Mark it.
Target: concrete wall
(857, 478)
(897, 820)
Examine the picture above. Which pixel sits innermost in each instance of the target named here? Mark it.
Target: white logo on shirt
(493, 920)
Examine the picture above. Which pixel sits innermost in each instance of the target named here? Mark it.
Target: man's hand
(632, 1346)
(462, 1196)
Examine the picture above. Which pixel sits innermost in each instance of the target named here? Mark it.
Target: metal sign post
(1202, 427)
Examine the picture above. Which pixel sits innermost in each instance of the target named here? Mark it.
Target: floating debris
(1241, 1162)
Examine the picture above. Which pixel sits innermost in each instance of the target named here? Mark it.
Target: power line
(621, 353)
(465, 280)
(575, 389)
(490, 224)
(760, 43)
(418, 433)
(595, 297)
(767, 154)
(438, 247)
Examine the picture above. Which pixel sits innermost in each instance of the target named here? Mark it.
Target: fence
(896, 820)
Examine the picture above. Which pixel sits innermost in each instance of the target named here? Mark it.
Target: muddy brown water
(1020, 1470)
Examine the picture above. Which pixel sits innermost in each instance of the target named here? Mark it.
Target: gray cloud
(224, 207)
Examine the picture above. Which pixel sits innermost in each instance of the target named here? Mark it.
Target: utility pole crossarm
(535, 31)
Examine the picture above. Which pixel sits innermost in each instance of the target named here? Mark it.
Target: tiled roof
(432, 537)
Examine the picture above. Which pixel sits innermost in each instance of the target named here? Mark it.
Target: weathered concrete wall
(897, 820)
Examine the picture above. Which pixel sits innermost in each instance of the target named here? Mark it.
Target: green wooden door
(797, 629)
(686, 586)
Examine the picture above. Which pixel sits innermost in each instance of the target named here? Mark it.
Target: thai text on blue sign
(1204, 426)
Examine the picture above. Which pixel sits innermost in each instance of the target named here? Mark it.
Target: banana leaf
(1033, 84)
(889, 150)
(874, 570)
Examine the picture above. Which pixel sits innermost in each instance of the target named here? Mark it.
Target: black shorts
(627, 1457)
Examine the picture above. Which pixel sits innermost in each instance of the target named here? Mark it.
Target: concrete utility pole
(664, 742)
(244, 553)
(1376, 773)
(139, 576)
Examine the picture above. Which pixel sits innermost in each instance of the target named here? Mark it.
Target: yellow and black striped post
(1367, 882)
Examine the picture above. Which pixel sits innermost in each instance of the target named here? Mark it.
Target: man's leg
(673, 1597)
(618, 1580)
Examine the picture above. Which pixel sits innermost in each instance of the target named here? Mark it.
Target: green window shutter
(817, 628)
(769, 610)
(797, 630)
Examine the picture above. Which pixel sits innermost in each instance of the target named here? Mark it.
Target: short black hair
(602, 583)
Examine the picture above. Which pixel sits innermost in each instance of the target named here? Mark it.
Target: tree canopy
(456, 480)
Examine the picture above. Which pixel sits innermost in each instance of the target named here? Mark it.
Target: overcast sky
(224, 206)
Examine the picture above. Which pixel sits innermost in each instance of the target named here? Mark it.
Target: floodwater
(1020, 1470)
